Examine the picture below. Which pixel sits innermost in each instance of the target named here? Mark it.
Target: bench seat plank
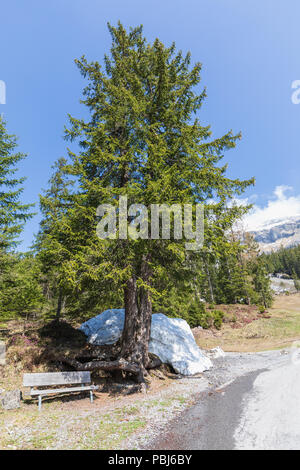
(63, 390)
(56, 378)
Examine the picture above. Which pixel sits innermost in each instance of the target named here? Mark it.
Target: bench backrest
(56, 378)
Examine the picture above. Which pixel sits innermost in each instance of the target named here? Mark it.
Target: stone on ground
(2, 353)
(11, 400)
(215, 353)
(171, 339)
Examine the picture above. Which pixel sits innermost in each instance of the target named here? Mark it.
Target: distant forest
(285, 260)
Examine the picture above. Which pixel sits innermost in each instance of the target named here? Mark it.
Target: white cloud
(281, 190)
(278, 209)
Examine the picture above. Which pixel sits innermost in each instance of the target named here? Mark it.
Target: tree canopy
(144, 141)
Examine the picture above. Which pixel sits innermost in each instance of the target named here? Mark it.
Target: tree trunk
(136, 333)
(209, 281)
(134, 353)
(59, 306)
(138, 315)
(146, 307)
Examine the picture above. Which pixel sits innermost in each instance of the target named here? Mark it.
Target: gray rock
(284, 352)
(2, 353)
(11, 400)
(215, 353)
(171, 339)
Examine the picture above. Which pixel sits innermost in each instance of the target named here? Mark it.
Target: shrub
(218, 317)
(218, 323)
(196, 314)
(199, 316)
(297, 285)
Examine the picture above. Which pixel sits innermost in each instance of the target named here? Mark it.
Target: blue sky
(250, 54)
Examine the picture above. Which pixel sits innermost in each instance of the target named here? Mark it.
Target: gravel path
(161, 408)
(240, 407)
(270, 418)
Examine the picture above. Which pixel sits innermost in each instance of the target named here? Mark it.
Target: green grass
(106, 434)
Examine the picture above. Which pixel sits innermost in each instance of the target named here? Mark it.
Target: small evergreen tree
(296, 280)
(13, 213)
(24, 295)
(52, 240)
(262, 285)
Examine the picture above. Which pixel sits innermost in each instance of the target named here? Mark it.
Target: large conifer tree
(143, 141)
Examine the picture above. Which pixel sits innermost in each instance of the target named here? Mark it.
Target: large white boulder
(171, 339)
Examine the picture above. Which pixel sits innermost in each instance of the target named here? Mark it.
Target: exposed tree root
(153, 362)
(119, 364)
(89, 360)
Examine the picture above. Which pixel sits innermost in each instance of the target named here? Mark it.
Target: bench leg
(91, 396)
(40, 402)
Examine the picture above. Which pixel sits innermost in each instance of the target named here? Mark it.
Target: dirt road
(252, 403)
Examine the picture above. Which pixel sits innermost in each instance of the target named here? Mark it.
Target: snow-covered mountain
(278, 233)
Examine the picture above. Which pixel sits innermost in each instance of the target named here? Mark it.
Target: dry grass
(278, 331)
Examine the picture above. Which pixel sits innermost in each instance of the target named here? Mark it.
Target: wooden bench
(82, 380)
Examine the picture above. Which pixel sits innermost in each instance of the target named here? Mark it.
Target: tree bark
(59, 306)
(209, 281)
(138, 315)
(134, 353)
(146, 307)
